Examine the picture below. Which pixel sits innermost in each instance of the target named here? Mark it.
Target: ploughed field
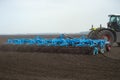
(32, 65)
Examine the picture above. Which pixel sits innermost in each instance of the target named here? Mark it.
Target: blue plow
(97, 46)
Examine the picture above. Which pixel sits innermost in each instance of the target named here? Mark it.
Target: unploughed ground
(54, 66)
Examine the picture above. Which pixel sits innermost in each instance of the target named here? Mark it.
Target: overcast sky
(54, 16)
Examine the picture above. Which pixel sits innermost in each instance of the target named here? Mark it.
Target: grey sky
(54, 16)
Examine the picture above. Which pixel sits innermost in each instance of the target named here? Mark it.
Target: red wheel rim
(107, 37)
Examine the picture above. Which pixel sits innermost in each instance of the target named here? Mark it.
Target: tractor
(111, 33)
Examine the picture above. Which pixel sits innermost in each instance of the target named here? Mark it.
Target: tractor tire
(106, 34)
(93, 35)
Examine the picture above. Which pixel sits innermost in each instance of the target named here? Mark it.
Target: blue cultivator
(96, 45)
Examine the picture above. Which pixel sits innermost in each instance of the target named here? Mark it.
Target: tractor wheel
(90, 35)
(108, 35)
(93, 35)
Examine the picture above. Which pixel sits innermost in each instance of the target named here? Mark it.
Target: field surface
(58, 66)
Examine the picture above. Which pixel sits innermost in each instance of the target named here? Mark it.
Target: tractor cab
(114, 22)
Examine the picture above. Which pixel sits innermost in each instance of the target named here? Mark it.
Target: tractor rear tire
(93, 35)
(108, 35)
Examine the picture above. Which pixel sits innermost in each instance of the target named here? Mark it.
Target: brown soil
(54, 66)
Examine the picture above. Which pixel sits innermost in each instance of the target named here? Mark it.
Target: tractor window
(118, 21)
(113, 19)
